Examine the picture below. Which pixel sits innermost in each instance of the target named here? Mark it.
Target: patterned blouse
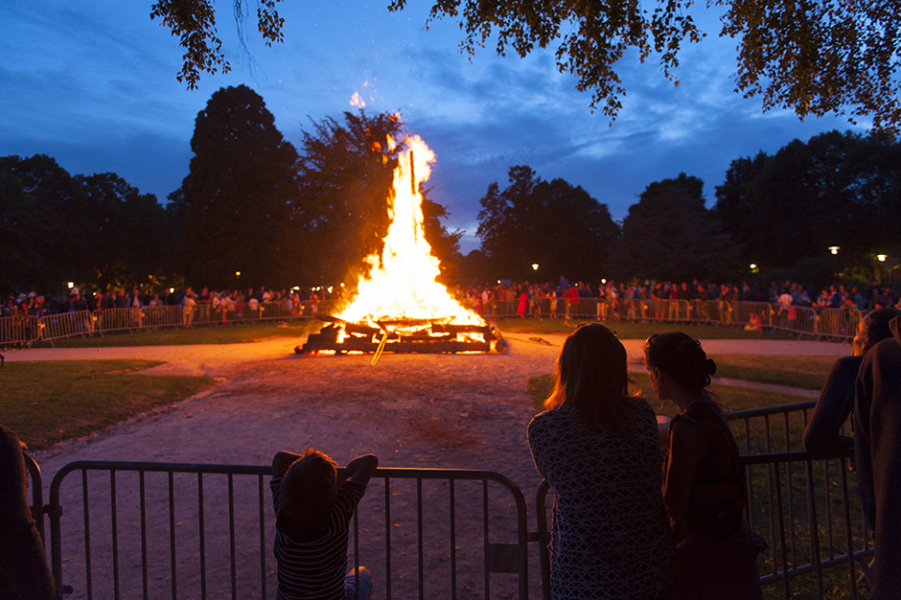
(611, 537)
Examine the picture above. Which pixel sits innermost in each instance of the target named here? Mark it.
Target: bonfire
(400, 306)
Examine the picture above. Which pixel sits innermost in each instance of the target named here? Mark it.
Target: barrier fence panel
(828, 323)
(18, 330)
(65, 325)
(125, 529)
(813, 524)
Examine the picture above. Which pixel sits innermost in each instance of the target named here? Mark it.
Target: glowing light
(401, 283)
(71, 284)
(534, 266)
(237, 273)
(834, 249)
(881, 257)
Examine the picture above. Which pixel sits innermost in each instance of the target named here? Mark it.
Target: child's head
(309, 488)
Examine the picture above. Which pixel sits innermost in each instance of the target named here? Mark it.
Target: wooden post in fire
(412, 175)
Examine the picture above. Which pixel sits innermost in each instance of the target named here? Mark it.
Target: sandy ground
(413, 411)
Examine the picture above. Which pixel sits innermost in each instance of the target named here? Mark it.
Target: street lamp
(534, 266)
(834, 250)
(753, 267)
(881, 257)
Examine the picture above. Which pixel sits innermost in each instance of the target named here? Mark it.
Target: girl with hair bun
(704, 493)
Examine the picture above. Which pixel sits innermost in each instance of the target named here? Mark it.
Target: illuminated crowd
(482, 298)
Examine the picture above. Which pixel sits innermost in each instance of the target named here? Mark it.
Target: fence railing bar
(87, 534)
(849, 540)
(262, 489)
(142, 490)
(809, 568)
(828, 494)
(813, 526)
(231, 535)
(485, 543)
(172, 534)
(791, 503)
(202, 540)
(782, 545)
(388, 537)
(419, 544)
(115, 533)
(453, 540)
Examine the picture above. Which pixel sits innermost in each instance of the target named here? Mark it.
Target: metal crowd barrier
(806, 507)
(828, 322)
(132, 529)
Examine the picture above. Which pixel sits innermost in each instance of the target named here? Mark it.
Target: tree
(133, 235)
(669, 235)
(844, 188)
(238, 196)
(812, 57)
(553, 224)
(347, 172)
(46, 233)
(194, 22)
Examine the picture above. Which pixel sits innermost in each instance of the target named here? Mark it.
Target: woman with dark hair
(598, 447)
(705, 492)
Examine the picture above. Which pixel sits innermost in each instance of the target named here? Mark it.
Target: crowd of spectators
(484, 298)
(34, 305)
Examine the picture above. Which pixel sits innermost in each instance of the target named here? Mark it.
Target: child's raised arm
(362, 468)
(281, 461)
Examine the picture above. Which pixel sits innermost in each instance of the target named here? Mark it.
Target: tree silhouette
(670, 235)
(553, 224)
(238, 196)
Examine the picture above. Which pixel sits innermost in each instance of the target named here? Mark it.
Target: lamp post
(834, 250)
(881, 258)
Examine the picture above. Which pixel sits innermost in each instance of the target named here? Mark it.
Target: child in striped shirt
(313, 507)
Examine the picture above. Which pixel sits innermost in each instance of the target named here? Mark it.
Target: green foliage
(558, 226)
(94, 229)
(238, 196)
(194, 22)
(844, 188)
(47, 402)
(813, 58)
(670, 235)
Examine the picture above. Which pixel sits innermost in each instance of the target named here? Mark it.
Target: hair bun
(711, 366)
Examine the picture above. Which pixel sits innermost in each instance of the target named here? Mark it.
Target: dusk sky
(92, 84)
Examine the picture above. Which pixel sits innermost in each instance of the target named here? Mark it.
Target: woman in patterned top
(705, 480)
(598, 447)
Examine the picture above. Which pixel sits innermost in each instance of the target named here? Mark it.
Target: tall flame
(402, 284)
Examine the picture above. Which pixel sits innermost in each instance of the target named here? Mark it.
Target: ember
(400, 306)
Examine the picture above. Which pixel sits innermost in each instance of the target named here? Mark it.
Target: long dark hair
(592, 376)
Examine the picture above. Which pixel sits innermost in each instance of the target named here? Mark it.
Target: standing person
(313, 507)
(837, 397)
(523, 304)
(877, 451)
(705, 494)
(598, 447)
(24, 574)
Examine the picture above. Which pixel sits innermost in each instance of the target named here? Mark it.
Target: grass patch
(230, 334)
(627, 330)
(50, 401)
(805, 372)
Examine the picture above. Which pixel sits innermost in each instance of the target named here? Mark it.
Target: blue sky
(93, 85)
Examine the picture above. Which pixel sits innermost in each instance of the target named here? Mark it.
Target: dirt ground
(412, 411)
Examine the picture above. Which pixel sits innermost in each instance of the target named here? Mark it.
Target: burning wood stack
(399, 306)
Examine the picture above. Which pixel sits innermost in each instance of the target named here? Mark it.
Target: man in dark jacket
(877, 447)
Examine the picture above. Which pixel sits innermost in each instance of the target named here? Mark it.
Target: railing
(828, 322)
(807, 507)
(204, 531)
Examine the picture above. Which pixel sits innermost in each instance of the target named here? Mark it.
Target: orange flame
(402, 283)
